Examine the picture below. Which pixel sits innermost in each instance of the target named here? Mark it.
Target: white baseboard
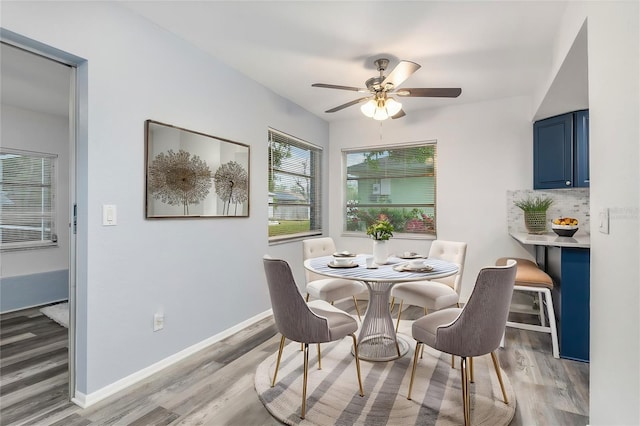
(86, 400)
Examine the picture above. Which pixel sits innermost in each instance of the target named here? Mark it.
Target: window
(27, 191)
(397, 183)
(294, 188)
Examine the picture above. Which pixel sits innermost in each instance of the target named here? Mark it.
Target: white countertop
(579, 240)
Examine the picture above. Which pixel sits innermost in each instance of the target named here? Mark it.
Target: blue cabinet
(574, 322)
(569, 267)
(561, 151)
(581, 157)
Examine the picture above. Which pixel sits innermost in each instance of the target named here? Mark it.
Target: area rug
(59, 313)
(333, 398)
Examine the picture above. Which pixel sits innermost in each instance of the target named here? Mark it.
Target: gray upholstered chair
(316, 322)
(324, 288)
(473, 330)
(437, 294)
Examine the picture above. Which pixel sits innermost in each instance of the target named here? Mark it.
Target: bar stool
(530, 278)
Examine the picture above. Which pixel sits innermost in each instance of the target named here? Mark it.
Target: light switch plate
(603, 218)
(158, 321)
(109, 215)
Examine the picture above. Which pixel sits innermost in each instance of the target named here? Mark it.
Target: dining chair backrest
(291, 313)
(454, 252)
(316, 247)
(479, 328)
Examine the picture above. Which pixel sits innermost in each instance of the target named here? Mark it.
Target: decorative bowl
(342, 260)
(564, 230)
(343, 254)
(417, 263)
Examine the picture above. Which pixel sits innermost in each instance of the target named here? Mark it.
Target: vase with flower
(380, 232)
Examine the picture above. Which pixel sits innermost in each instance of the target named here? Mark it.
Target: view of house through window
(397, 183)
(27, 194)
(294, 187)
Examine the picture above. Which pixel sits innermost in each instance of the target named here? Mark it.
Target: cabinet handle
(586, 181)
(568, 183)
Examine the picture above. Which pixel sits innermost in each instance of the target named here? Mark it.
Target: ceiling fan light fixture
(381, 108)
(380, 114)
(369, 108)
(393, 107)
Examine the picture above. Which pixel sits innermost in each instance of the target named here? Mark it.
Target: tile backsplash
(566, 202)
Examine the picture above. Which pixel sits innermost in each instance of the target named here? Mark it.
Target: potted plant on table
(380, 232)
(535, 213)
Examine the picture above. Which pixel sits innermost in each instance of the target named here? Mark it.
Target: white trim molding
(85, 401)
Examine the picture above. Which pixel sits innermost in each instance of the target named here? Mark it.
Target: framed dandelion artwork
(191, 174)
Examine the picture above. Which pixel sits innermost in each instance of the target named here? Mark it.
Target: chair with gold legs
(317, 322)
(434, 295)
(325, 288)
(471, 331)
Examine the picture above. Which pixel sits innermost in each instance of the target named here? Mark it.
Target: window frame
(51, 214)
(403, 235)
(315, 176)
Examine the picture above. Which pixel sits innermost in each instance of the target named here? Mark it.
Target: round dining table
(377, 340)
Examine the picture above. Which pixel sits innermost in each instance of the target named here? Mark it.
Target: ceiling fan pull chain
(381, 132)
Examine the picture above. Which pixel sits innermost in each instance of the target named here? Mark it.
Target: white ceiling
(491, 49)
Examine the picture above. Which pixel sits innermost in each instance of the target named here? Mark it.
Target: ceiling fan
(379, 105)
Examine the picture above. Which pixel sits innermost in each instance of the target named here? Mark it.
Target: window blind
(27, 205)
(397, 183)
(295, 196)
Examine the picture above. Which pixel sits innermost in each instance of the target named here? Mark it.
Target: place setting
(416, 265)
(409, 255)
(415, 262)
(343, 259)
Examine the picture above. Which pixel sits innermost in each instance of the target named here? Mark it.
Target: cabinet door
(581, 167)
(575, 288)
(553, 152)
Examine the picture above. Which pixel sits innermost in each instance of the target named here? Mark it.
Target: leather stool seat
(530, 278)
(528, 273)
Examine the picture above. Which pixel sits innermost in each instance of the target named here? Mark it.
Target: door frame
(77, 138)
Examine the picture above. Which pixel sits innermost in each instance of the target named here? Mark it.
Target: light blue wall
(24, 291)
(187, 269)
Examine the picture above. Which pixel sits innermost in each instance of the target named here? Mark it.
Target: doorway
(40, 103)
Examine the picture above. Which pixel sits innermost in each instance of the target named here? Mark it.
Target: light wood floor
(215, 386)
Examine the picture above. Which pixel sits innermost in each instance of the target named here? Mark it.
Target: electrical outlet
(158, 322)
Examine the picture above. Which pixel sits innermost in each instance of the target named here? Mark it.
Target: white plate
(405, 267)
(410, 255)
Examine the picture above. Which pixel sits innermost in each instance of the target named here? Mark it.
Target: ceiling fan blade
(400, 73)
(348, 104)
(335, 86)
(444, 92)
(399, 114)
